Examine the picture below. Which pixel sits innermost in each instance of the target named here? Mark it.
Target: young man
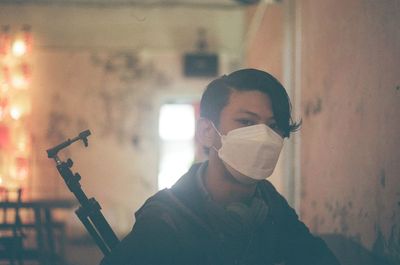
(224, 211)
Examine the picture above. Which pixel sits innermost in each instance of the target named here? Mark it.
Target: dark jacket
(173, 227)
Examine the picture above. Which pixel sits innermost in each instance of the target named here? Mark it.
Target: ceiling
(142, 3)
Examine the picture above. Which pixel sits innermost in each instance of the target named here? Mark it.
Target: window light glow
(176, 159)
(176, 122)
(176, 131)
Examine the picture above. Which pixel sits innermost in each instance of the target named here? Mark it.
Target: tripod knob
(69, 163)
(77, 176)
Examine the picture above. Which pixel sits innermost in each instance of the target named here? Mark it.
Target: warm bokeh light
(20, 76)
(5, 77)
(19, 81)
(15, 77)
(22, 145)
(21, 141)
(13, 185)
(3, 108)
(4, 39)
(15, 112)
(19, 48)
(21, 168)
(4, 87)
(21, 173)
(4, 138)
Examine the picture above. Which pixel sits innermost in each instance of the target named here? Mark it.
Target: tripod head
(52, 152)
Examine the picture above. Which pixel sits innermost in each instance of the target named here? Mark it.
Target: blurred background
(133, 72)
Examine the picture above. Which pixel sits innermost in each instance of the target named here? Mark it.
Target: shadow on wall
(350, 252)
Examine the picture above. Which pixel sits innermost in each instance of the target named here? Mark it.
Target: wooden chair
(38, 239)
(11, 235)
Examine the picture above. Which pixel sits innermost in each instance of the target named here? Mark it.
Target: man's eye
(246, 122)
(273, 126)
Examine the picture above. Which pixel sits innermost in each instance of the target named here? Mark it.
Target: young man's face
(246, 108)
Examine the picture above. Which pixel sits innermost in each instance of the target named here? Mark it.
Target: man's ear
(205, 132)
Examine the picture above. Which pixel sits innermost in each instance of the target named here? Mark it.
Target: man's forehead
(242, 94)
(249, 102)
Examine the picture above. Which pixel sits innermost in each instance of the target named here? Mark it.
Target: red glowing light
(5, 40)
(22, 169)
(20, 78)
(4, 137)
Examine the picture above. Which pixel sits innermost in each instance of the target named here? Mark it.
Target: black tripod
(90, 211)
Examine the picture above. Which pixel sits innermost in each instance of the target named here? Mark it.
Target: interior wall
(347, 55)
(265, 46)
(349, 85)
(109, 70)
(79, 27)
(350, 134)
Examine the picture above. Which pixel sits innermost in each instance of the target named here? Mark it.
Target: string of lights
(15, 79)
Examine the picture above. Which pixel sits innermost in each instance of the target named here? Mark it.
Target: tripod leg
(92, 231)
(39, 236)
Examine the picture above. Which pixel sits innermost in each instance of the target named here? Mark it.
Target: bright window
(176, 132)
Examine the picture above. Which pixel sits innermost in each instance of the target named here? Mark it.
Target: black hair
(216, 96)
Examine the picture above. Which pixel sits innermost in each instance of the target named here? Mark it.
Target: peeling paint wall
(350, 154)
(265, 48)
(264, 51)
(349, 81)
(109, 70)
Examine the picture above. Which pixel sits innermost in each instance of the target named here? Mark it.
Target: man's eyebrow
(271, 119)
(248, 112)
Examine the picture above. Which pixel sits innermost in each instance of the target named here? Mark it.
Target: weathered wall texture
(109, 70)
(265, 48)
(350, 158)
(349, 81)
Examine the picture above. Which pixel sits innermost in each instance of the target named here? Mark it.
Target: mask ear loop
(220, 135)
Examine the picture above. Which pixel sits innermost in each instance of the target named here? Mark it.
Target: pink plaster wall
(264, 50)
(350, 138)
(350, 156)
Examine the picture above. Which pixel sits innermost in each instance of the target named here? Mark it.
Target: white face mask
(250, 153)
